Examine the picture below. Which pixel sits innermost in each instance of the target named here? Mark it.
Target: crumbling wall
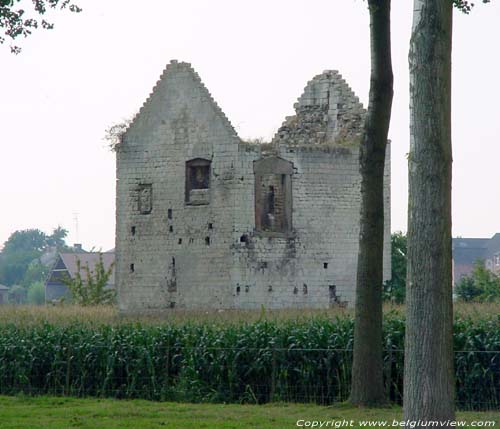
(187, 204)
(328, 112)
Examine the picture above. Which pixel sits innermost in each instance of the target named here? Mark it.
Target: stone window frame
(274, 166)
(190, 164)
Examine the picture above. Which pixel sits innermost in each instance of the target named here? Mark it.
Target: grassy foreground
(57, 413)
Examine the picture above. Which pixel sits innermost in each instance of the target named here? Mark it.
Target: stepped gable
(328, 112)
(173, 68)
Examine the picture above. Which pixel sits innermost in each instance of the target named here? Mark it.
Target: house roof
(2, 287)
(87, 259)
(469, 250)
(493, 246)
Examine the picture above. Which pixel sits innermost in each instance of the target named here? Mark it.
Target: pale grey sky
(97, 68)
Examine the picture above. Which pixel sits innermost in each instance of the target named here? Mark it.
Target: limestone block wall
(189, 240)
(315, 266)
(177, 254)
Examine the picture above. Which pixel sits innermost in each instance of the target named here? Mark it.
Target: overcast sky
(96, 68)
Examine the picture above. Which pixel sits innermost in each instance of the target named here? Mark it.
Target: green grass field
(23, 412)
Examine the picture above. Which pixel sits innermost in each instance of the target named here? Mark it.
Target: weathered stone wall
(179, 252)
(319, 257)
(173, 252)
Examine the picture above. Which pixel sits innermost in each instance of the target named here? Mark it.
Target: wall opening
(244, 238)
(180, 241)
(238, 290)
(273, 195)
(132, 230)
(207, 241)
(332, 295)
(171, 228)
(197, 181)
(132, 268)
(325, 265)
(210, 226)
(169, 213)
(304, 289)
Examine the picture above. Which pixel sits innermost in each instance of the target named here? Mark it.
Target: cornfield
(295, 360)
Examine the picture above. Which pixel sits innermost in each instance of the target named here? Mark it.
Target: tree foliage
(395, 288)
(114, 133)
(465, 6)
(21, 17)
(88, 287)
(20, 256)
(481, 285)
(36, 293)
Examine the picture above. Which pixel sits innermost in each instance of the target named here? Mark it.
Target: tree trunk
(429, 376)
(367, 386)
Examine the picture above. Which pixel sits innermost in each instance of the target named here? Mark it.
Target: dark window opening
(304, 289)
(172, 304)
(247, 288)
(270, 201)
(244, 238)
(132, 230)
(207, 241)
(169, 213)
(270, 288)
(332, 295)
(173, 261)
(295, 290)
(197, 181)
(171, 228)
(180, 240)
(132, 268)
(210, 226)
(238, 290)
(263, 264)
(325, 265)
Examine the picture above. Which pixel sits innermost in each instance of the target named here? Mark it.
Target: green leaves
(395, 289)
(15, 22)
(91, 288)
(465, 6)
(301, 361)
(481, 286)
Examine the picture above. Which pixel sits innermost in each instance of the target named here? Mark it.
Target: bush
(36, 294)
(481, 286)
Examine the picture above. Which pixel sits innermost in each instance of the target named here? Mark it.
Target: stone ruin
(206, 220)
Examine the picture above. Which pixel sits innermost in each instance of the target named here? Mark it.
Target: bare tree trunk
(429, 376)
(367, 386)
